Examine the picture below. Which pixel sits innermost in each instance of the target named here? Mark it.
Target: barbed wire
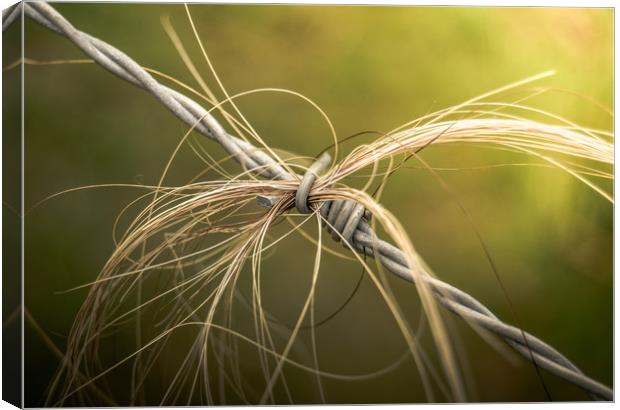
(348, 219)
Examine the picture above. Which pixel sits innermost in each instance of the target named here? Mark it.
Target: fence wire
(342, 216)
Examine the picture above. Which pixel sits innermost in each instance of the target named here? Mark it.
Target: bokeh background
(369, 68)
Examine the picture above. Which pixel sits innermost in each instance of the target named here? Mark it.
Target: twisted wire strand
(344, 219)
(183, 107)
(352, 226)
(9, 15)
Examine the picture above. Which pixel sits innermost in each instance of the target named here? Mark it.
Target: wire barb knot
(341, 217)
(307, 182)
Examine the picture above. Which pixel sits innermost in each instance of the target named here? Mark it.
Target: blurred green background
(369, 68)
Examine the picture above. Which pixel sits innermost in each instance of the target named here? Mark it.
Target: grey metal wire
(345, 219)
(183, 107)
(9, 15)
(365, 240)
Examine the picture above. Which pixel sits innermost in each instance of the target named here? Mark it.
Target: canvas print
(284, 204)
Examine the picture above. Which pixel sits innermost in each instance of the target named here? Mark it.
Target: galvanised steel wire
(345, 217)
(9, 15)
